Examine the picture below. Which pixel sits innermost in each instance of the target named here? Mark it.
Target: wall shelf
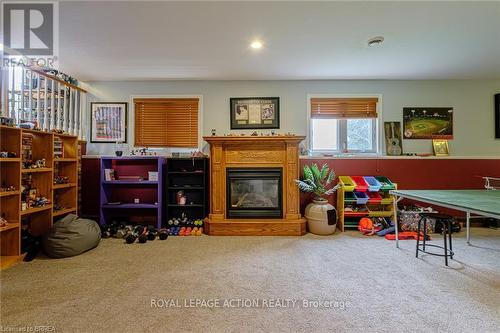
(36, 170)
(126, 182)
(10, 159)
(9, 227)
(148, 192)
(35, 210)
(63, 211)
(191, 177)
(9, 193)
(59, 186)
(130, 205)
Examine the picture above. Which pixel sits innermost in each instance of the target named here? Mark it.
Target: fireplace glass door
(254, 193)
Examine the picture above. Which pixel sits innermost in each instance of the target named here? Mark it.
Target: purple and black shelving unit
(117, 196)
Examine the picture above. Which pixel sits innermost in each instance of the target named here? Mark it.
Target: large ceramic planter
(321, 217)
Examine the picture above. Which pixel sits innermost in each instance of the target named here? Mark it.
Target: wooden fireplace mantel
(247, 152)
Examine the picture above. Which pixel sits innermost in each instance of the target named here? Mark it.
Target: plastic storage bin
(349, 198)
(373, 184)
(361, 198)
(360, 184)
(381, 211)
(347, 183)
(374, 198)
(386, 183)
(356, 211)
(386, 199)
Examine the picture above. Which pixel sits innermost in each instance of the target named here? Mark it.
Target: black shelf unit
(190, 175)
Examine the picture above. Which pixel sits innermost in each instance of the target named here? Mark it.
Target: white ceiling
(302, 40)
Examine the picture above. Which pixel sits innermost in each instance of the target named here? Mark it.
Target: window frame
(131, 129)
(342, 127)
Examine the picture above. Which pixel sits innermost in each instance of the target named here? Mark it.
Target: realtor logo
(29, 29)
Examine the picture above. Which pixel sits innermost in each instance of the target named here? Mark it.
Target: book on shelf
(109, 174)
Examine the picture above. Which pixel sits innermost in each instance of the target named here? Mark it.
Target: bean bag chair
(71, 236)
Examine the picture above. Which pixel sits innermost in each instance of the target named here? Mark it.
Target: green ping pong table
(478, 202)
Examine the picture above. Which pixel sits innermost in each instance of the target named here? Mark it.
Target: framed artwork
(255, 112)
(393, 142)
(497, 116)
(428, 123)
(108, 122)
(440, 147)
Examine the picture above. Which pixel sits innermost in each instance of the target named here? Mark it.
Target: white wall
(472, 101)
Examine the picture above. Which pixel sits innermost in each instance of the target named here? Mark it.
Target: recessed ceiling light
(256, 44)
(375, 41)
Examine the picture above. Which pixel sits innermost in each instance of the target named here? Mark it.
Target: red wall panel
(416, 173)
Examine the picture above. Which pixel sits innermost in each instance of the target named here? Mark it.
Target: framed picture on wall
(428, 123)
(255, 112)
(440, 147)
(108, 122)
(497, 116)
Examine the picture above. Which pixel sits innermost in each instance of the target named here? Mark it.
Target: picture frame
(254, 112)
(393, 138)
(497, 116)
(428, 122)
(440, 147)
(108, 122)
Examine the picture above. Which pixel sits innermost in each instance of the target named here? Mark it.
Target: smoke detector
(375, 41)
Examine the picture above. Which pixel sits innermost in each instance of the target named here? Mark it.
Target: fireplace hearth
(254, 192)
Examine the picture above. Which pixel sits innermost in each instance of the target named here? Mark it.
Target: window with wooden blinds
(339, 108)
(166, 122)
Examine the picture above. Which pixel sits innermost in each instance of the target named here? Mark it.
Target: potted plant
(321, 216)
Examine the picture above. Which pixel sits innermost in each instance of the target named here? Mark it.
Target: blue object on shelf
(349, 197)
(373, 184)
(361, 198)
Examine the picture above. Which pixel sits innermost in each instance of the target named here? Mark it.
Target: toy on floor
(367, 227)
(406, 235)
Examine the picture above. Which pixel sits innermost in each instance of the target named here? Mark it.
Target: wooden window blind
(166, 122)
(339, 108)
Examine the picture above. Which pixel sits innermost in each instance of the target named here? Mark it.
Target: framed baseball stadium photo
(255, 112)
(428, 123)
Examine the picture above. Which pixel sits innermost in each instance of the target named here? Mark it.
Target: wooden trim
(72, 86)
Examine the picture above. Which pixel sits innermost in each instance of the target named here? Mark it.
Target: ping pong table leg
(467, 223)
(396, 199)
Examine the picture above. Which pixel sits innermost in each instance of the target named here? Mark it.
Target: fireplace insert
(254, 192)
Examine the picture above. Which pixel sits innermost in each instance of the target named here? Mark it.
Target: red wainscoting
(416, 173)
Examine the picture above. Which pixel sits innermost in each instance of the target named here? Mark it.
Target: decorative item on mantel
(321, 216)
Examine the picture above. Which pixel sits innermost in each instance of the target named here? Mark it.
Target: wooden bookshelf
(65, 195)
(82, 150)
(39, 145)
(10, 235)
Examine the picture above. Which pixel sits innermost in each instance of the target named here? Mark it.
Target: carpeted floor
(367, 283)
